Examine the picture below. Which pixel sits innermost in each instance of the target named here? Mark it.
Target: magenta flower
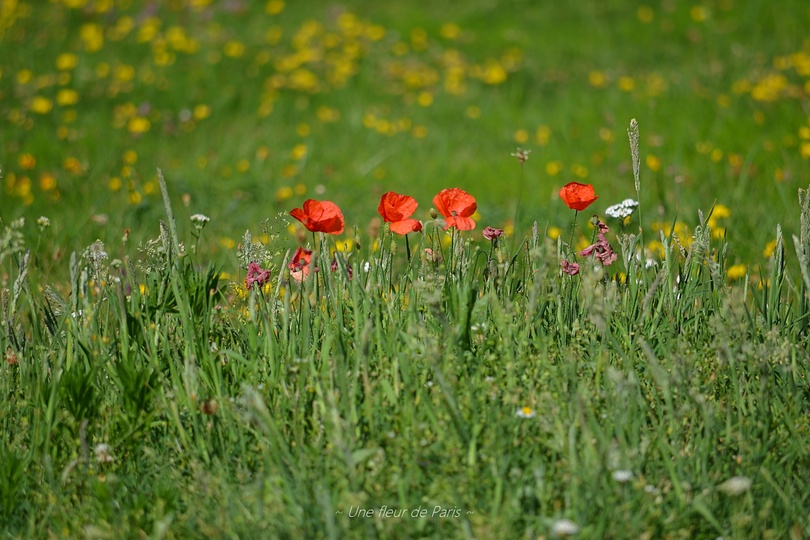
(491, 233)
(334, 266)
(601, 250)
(570, 268)
(255, 274)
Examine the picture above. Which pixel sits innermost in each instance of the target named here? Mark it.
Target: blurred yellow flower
(736, 271)
(67, 97)
(698, 13)
(92, 35)
(553, 168)
(47, 182)
(27, 161)
(130, 157)
(770, 247)
(597, 79)
(274, 7)
(425, 99)
(626, 84)
(645, 14)
(138, 125)
(721, 211)
(72, 165)
(450, 31)
(542, 135)
(66, 61)
(327, 114)
(234, 49)
(298, 152)
(40, 105)
(283, 193)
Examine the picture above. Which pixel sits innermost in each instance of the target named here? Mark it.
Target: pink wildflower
(491, 233)
(255, 274)
(601, 250)
(570, 268)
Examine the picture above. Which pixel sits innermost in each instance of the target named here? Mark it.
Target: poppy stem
(573, 227)
(407, 247)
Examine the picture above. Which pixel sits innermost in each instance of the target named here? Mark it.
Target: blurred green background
(251, 107)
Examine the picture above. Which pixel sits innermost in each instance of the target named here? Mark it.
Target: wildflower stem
(517, 204)
(573, 227)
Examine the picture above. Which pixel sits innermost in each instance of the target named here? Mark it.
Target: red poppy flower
(456, 205)
(299, 265)
(320, 216)
(577, 196)
(396, 209)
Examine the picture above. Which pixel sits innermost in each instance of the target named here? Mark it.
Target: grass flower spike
(577, 196)
(396, 209)
(320, 216)
(456, 205)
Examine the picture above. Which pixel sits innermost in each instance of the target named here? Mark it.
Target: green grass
(146, 392)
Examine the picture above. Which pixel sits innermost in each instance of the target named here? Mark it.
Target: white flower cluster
(622, 210)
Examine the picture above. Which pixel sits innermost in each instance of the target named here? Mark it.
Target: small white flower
(366, 267)
(526, 412)
(736, 485)
(622, 476)
(522, 155)
(103, 453)
(622, 210)
(564, 527)
(200, 218)
(43, 223)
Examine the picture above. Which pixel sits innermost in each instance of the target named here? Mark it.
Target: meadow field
(352, 269)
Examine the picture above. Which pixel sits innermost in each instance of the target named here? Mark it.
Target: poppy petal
(461, 223)
(396, 207)
(406, 225)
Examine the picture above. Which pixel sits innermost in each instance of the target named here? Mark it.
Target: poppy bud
(433, 213)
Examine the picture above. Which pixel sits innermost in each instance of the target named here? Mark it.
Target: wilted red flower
(601, 250)
(255, 274)
(334, 266)
(396, 209)
(577, 196)
(299, 265)
(456, 205)
(431, 256)
(320, 216)
(570, 268)
(491, 233)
